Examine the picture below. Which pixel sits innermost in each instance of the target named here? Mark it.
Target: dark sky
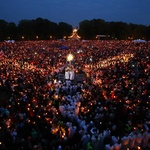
(74, 11)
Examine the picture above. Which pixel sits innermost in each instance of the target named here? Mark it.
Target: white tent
(139, 41)
(10, 41)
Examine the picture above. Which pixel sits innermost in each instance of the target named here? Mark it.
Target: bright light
(75, 30)
(70, 57)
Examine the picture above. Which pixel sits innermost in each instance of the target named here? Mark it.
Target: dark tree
(25, 30)
(64, 30)
(43, 29)
(86, 29)
(3, 29)
(11, 31)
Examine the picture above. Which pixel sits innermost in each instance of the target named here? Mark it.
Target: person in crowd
(108, 109)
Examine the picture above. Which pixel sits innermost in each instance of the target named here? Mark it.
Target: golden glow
(70, 57)
(74, 34)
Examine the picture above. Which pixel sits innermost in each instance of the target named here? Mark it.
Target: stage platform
(78, 78)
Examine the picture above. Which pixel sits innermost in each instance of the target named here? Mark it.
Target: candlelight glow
(70, 57)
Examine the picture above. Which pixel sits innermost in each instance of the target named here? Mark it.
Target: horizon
(71, 24)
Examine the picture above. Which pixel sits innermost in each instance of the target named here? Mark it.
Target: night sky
(74, 11)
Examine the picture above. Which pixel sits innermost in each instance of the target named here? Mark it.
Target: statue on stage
(69, 73)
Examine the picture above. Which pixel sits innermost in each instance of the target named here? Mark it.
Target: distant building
(102, 36)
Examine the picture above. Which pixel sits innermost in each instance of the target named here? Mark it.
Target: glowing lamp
(70, 57)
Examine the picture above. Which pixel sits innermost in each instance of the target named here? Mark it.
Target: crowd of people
(108, 110)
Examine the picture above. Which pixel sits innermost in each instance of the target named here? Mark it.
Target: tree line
(43, 29)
